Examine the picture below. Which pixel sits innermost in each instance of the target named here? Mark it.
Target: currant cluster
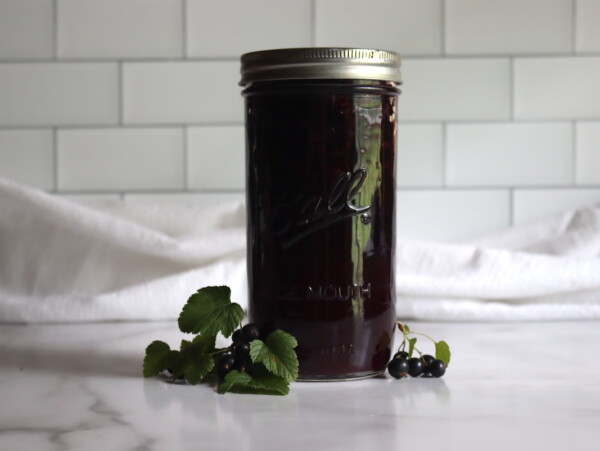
(426, 365)
(238, 354)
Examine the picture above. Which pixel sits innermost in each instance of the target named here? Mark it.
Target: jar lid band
(320, 63)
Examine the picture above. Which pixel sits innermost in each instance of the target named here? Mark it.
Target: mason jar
(320, 178)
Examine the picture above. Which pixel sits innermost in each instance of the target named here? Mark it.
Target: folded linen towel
(61, 261)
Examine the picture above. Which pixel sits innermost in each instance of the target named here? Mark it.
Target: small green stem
(404, 336)
(423, 335)
(222, 351)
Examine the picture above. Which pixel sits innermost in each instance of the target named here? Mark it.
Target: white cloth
(61, 261)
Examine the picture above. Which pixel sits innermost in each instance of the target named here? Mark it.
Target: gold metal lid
(320, 63)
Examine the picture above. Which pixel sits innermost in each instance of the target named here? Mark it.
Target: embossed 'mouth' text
(335, 292)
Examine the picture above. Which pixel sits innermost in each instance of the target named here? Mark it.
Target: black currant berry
(237, 337)
(415, 366)
(241, 351)
(244, 365)
(225, 364)
(398, 368)
(437, 368)
(250, 332)
(427, 359)
(401, 355)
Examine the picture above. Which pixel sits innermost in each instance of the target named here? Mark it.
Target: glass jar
(320, 155)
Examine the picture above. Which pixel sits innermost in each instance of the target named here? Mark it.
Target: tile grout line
(574, 26)
(109, 126)
(574, 152)
(229, 59)
(55, 158)
(185, 130)
(125, 125)
(184, 39)
(511, 206)
(444, 155)
(70, 60)
(313, 22)
(511, 89)
(120, 93)
(55, 30)
(443, 26)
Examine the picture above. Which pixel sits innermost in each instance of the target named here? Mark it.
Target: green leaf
(277, 354)
(156, 360)
(201, 344)
(411, 346)
(185, 344)
(196, 361)
(442, 352)
(406, 328)
(261, 382)
(198, 367)
(175, 363)
(210, 311)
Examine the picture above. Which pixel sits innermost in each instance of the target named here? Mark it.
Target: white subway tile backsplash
(119, 29)
(26, 156)
(38, 94)
(120, 159)
(508, 26)
(406, 26)
(449, 215)
(557, 88)
(216, 157)
(588, 153)
(229, 28)
(509, 154)
(145, 100)
(181, 92)
(26, 28)
(419, 155)
(588, 30)
(455, 89)
(536, 204)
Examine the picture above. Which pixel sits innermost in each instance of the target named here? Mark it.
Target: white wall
(500, 115)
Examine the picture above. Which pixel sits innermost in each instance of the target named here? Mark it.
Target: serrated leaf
(156, 359)
(195, 359)
(198, 367)
(277, 354)
(210, 311)
(185, 344)
(175, 363)
(411, 346)
(442, 352)
(201, 344)
(260, 382)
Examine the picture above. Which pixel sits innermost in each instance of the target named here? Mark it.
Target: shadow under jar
(320, 167)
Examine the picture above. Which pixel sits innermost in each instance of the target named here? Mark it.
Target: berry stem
(404, 336)
(222, 351)
(423, 335)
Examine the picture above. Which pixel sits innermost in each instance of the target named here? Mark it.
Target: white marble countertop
(510, 386)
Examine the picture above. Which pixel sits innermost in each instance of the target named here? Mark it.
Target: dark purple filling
(320, 187)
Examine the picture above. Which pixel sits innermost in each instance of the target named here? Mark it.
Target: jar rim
(320, 63)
